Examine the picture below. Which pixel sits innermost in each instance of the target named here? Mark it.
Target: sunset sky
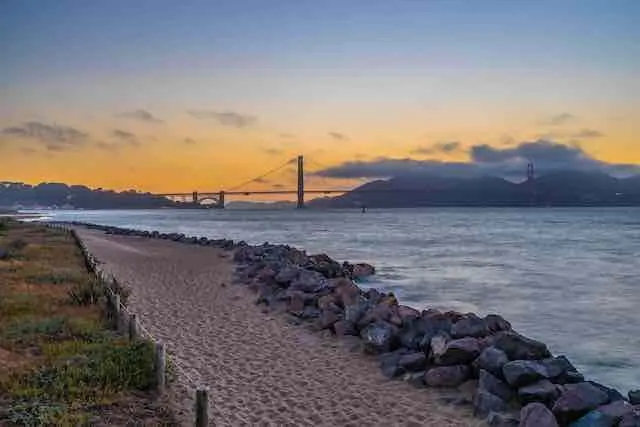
(181, 95)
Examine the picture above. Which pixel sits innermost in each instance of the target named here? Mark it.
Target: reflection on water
(569, 277)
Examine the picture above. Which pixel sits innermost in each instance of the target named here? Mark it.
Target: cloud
(273, 151)
(588, 134)
(126, 137)
(447, 147)
(226, 118)
(287, 135)
(508, 162)
(338, 136)
(140, 115)
(54, 137)
(189, 141)
(558, 119)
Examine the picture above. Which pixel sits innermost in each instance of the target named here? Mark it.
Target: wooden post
(133, 327)
(202, 408)
(161, 366)
(116, 311)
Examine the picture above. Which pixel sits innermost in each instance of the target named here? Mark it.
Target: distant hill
(260, 205)
(56, 195)
(563, 188)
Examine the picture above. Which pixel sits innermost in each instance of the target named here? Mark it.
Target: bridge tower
(194, 197)
(220, 204)
(531, 183)
(300, 182)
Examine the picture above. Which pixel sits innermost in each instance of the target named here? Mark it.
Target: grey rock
(561, 370)
(634, 397)
(518, 347)
(469, 326)
(310, 312)
(447, 376)
(308, 281)
(612, 393)
(4, 254)
(543, 391)
(379, 337)
(492, 384)
(455, 352)
(390, 363)
(594, 419)
(497, 419)
(519, 373)
(485, 402)
(354, 312)
(537, 415)
(631, 420)
(617, 409)
(492, 359)
(496, 323)
(344, 327)
(577, 400)
(362, 270)
(327, 319)
(412, 362)
(416, 379)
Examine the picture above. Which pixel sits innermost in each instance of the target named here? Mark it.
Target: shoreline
(319, 292)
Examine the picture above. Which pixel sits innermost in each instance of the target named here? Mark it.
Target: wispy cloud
(54, 137)
(338, 136)
(189, 141)
(126, 137)
(588, 134)
(225, 118)
(558, 119)
(273, 151)
(287, 135)
(447, 147)
(139, 115)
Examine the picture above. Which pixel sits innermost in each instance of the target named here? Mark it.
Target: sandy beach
(259, 369)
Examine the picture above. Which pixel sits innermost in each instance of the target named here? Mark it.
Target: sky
(168, 96)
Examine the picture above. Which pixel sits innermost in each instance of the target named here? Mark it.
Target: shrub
(88, 292)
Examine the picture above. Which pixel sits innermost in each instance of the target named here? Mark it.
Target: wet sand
(259, 369)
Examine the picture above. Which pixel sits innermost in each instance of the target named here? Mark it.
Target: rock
(381, 312)
(456, 352)
(496, 323)
(412, 362)
(346, 292)
(361, 270)
(543, 391)
(326, 301)
(520, 373)
(416, 379)
(561, 370)
(327, 319)
(310, 312)
(631, 420)
(491, 384)
(296, 302)
(594, 419)
(287, 275)
(469, 326)
(492, 359)
(308, 281)
(408, 314)
(390, 363)
(577, 400)
(410, 335)
(344, 327)
(634, 397)
(379, 337)
(496, 419)
(4, 254)
(616, 410)
(612, 393)
(354, 312)
(447, 376)
(537, 415)
(485, 402)
(518, 347)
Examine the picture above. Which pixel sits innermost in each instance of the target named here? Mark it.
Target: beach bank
(502, 369)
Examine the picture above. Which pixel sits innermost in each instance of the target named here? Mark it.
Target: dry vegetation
(59, 362)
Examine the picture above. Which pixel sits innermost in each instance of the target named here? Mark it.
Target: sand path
(259, 369)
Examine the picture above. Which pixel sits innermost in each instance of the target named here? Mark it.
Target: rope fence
(127, 322)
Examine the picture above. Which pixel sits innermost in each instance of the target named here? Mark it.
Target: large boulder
(485, 402)
(346, 291)
(518, 347)
(456, 352)
(497, 419)
(561, 370)
(379, 337)
(325, 265)
(612, 393)
(362, 270)
(447, 376)
(493, 360)
(327, 319)
(414, 361)
(519, 373)
(605, 416)
(543, 391)
(354, 312)
(537, 415)
(469, 326)
(577, 400)
(287, 274)
(390, 363)
(497, 323)
(634, 397)
(492, 384)
(309, 281)
(344, 327)
(631, 420)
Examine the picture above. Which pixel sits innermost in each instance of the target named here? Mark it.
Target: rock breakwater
(516, 380)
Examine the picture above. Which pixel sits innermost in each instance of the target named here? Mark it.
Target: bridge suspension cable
(269, 172)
